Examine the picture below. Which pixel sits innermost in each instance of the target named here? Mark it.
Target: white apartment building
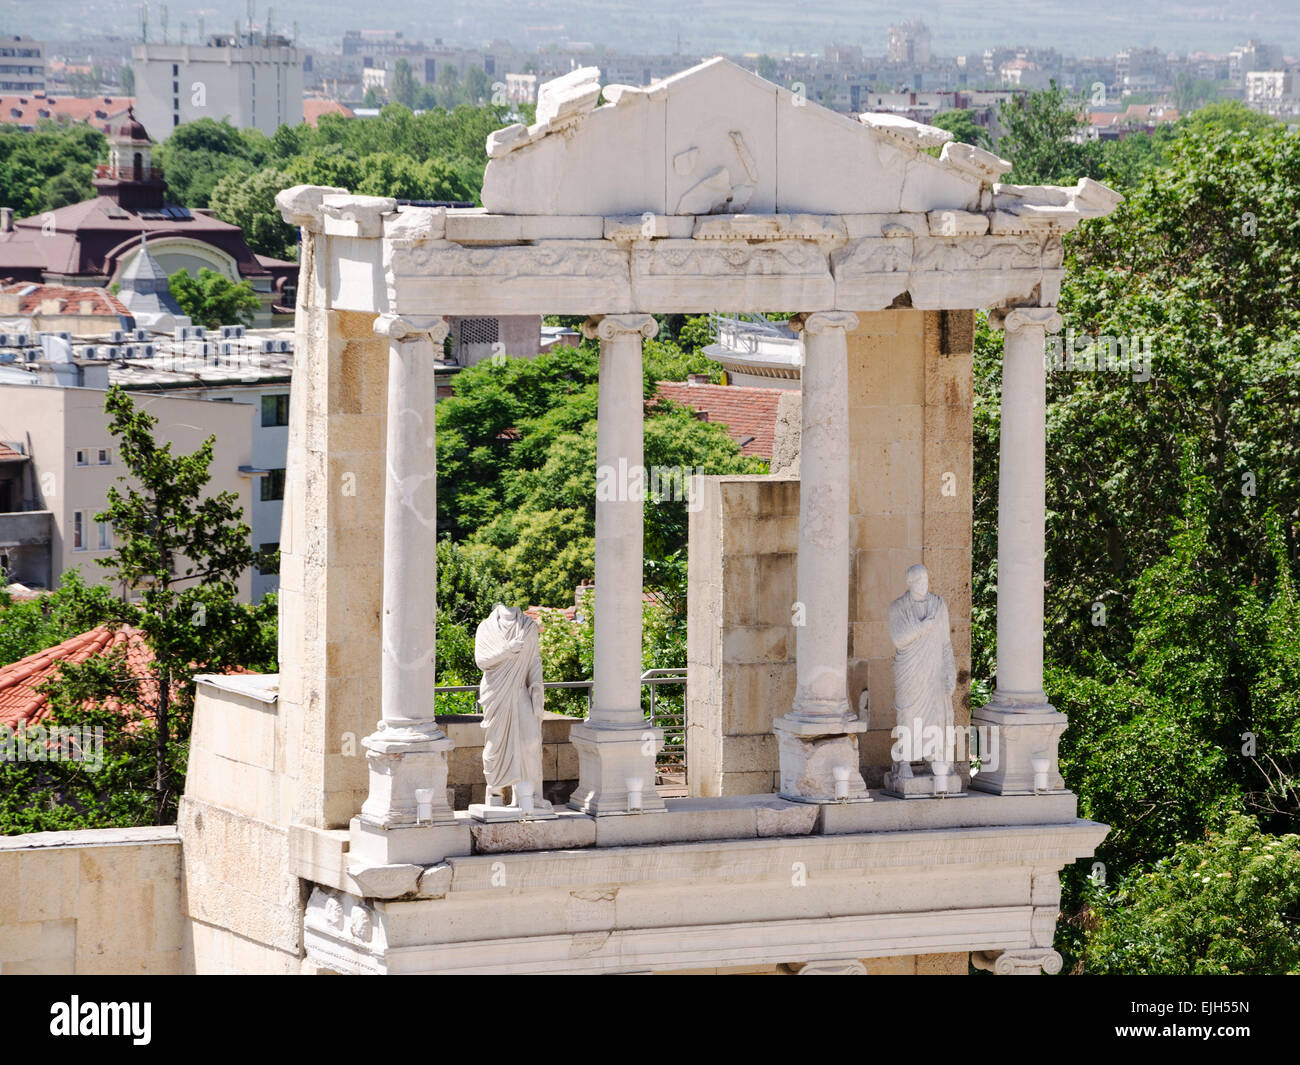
(22, 65)
(254, 80)
(73, 460)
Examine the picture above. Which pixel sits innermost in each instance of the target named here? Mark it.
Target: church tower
(130, 179)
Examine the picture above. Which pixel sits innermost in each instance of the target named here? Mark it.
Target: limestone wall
(243, 903)
(910, 396)
(740, 662)
(90, 902)
(465, 763)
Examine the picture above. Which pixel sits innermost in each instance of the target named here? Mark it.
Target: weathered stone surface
(565, 832)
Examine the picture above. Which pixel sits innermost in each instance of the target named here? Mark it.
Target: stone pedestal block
(404, 759)
(811, 752)
(607, 758)
(370, 846)
(1019, 737)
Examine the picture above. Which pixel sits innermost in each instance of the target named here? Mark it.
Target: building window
(176, 70)
(78, 530)
(176, 86)
(273, 485)
(83, 458)
(275, 410)
(105, 536)
(104, 460)
(176, 120)
(270, 566)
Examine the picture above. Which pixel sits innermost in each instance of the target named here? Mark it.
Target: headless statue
(511, 699)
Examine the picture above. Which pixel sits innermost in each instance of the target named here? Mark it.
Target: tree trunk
(162, 721)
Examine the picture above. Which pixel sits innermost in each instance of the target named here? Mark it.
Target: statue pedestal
(541, 811)
(919, 784)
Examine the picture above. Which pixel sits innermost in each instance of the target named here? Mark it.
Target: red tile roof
(21, 703)
(9, 454)
(746, 412)
(97, 111)
(32, 296)
(314, 107)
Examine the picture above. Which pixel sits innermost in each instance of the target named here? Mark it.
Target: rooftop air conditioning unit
(89, 352)
(140, 334)
(286, 346)
(111, 351)
(182, 332)
(198, 332)
(268, 346)
(117, 336)
(63, 335)
(20, 340)
(147, 351)
(227, 348)
(4, 340)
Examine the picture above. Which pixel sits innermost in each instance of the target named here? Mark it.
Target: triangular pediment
(718, 139)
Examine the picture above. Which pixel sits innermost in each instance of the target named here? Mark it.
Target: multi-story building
(253, 79)
(1274, 92)
(22, 65)
(59, 461)
(909, 42)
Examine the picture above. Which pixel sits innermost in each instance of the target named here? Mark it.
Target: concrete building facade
(253, 80)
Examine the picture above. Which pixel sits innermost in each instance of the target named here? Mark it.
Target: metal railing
(671, 717)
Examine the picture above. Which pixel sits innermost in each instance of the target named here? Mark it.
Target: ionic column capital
(823, 322)
(1014, 319)
(412, 327)
(609, 326)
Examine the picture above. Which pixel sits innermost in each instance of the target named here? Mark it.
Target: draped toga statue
(511, 699)
(925, 673)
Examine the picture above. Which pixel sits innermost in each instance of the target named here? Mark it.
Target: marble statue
(925, 677)
(511, 700)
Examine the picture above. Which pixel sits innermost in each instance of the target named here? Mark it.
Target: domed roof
(131, 129)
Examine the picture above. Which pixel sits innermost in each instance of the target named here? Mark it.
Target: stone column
(819, 734)
(615, 742)
(1021, 724)
(408, 751)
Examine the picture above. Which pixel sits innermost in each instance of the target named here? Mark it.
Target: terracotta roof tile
(97, 111)
(746, 412)
(20, 702)
(33, 296)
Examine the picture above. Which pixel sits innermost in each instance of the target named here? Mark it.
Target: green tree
(403, 84)
(247, 200)
(212, 299)
(183, 553)
(961, 124)
(1039, 127)
(1228, 905)
(32, 625)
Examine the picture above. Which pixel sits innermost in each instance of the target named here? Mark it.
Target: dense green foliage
(517, 464)
(48, 168)
(212, 299)
(1228, 905)
(1173, 494)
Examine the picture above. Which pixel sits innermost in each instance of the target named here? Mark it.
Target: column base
(607, 757)
(810, 751)
(1019, 735)
(1031, 961)
(406, 757)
